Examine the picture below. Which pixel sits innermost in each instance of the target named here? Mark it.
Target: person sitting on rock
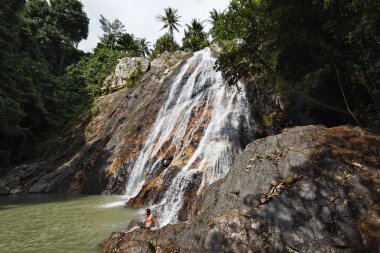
(149, 223)
(150, 220)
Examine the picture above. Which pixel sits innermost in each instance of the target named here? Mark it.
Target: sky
(140, 16)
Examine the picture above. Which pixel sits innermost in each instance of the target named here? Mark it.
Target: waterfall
(199, 127)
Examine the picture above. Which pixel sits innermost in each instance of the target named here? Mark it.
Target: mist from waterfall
(199, 103)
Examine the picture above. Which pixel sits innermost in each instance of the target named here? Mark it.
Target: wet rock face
(309, 189)
(192, 143)
(95, 155)
(154, 189)
(267, 108)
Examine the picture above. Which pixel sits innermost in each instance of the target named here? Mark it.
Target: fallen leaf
(357, 165)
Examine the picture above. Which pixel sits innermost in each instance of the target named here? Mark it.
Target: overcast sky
(140, 16)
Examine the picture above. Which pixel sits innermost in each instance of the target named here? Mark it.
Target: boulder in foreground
(309, 189)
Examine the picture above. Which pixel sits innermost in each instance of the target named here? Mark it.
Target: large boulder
(309, 189)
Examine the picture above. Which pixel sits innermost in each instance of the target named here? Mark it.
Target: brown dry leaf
(357, 164)
(289, 180)
(274, 183)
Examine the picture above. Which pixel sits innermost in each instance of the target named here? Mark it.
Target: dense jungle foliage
(37, 42)
(45, 81)
(322, 53)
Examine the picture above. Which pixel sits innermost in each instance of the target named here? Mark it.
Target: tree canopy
(325, 52)
(165, 43)
(35, 46)
(195, 37)
(113, 31)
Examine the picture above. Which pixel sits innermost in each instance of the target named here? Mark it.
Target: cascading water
(199, 128)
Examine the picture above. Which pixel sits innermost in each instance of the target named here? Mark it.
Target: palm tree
(143, 45)
(170, 20)
(214, 16)
(195, 38)
(127, 42)
(196, 27)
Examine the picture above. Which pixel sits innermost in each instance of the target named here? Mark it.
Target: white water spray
(199, 102)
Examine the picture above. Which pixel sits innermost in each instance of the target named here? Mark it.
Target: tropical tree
(38, 40)
(164, 43)
(129, 43)
(143, 47)
(113, 31)
(170, 20)
(214, 17)
(36, 14)
(195, 38)
(70, 20)
(69, 25)
(57, 26)
(320, 53)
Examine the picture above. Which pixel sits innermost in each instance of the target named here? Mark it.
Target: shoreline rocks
(308, 189)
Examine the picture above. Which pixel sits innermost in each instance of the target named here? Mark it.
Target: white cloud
(140, 16)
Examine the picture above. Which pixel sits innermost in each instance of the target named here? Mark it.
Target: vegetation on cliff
(38, 40)
(45, 81)
(325, 53)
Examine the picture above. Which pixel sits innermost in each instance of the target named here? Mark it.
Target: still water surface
(56, 223)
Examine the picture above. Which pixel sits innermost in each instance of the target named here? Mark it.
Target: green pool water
(56, 223)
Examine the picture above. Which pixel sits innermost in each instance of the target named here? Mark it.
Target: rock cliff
(91, 157)
(308, 189)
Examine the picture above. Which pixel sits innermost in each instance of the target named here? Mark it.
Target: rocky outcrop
(309, 189)
(93, 156)
(124, 69)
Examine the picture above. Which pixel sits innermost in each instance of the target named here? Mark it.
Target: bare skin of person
(149, 223)
(150, 220)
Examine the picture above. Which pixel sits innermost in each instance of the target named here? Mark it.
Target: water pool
(59, 223)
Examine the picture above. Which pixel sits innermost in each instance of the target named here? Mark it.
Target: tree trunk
(61, 61)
